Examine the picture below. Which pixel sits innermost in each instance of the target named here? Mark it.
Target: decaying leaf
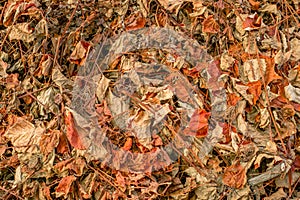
(198, 125)
(64, 186)
(209, 25)
(80, 53)
(24, 135)
(72, 134)
(235, 176)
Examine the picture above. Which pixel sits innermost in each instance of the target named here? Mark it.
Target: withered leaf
(80, 53)
(64, 186)
(72, 133)
(198, 124)
(209, 25)
(234, 176)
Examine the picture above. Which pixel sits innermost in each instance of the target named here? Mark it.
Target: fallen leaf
(80, 53)
(23, 135)
(21, 31)
(135, 21)
(280, 194)
(254, 88)
(209, 25)
(49, 141)
(12, 81)
(72, 133)
(64, 186)
(254, 4)
(251, 22)
(198, 124)
(235, 176)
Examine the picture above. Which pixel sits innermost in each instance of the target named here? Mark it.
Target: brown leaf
(14, 9)
(252, 21)
(80, 53)
(73, 165)
(12, 81)
(135, 21)
(23, 134)
(254, 88)
(296, 162)
(62, 146)
(209, 25)
(234, 176)
(232, 99)
(254, 4)
(64, 186)
(49, 141)
(72, 133)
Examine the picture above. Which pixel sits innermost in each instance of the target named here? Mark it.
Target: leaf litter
(44, 151)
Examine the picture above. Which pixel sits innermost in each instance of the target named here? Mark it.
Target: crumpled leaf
(74, 165)
(280, 194)
(87, 185)
(72, 134)
(16, 9)
(21, 31)
(254, 88)
(47, 98)
(24, 135)
(292, 93)
(135, 21)
(102, 88)
(252, 22)
(64, 186)
(60, 80)
(80, 53)
(252, 69)
(235, 176)
(209, 25)
(295, 43)
(198, 125)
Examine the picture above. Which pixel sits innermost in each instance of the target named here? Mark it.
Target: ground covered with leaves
(48, 149)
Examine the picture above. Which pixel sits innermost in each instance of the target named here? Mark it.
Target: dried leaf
(21, 31)
(64, 186)
(72, 133)
(254, 4)
(24, 135)
(198, 124)
(209, 25)
(235, 176)
(49, 141)
(80, 53)
(254, 88)
(135, 21)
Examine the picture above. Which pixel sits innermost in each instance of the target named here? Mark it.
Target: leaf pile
(255, 46)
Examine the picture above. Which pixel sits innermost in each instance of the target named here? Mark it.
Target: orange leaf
(270, 74)
(209, 25)
(198, 125)
(235, 176)
(135, 21)
(254, 4)
(128, 144)
(255, 90)
(64, 186)
(72, 133)
(232, 99)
